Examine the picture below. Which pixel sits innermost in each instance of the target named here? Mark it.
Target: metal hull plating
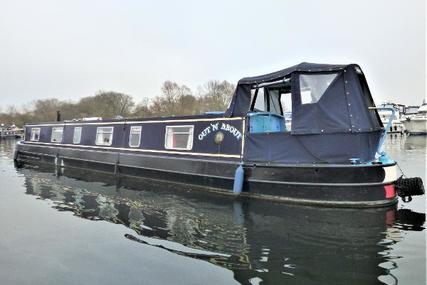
(328, 185)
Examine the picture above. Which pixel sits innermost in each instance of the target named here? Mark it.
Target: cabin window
(57, 134)
(179, 137)
(35, 134)
(104, 136)
(313, 86)
(77, 136)
(135, 136)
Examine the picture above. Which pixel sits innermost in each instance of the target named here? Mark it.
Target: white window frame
(33, 131)
(190, 139)
(136, 130)
(111, 136)
(74, 135)
(55, 129)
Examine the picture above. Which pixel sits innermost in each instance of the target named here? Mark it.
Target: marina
(405, 120)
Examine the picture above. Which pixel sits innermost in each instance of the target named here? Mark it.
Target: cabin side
(202, 136)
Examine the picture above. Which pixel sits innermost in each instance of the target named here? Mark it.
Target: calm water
(79, 227)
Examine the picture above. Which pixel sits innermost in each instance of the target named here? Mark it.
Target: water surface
(84, 227)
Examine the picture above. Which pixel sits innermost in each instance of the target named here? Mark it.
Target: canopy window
(266, 111)
(274, 102)
(269, 97)
(259, 103)
(313, 86)
(319, 103)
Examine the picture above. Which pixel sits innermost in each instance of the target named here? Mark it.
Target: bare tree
(107, 104)
(216, 95)
(175, 99)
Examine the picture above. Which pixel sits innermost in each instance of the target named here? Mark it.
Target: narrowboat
(329, 153)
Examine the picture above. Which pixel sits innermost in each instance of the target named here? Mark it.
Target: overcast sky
(71, 49)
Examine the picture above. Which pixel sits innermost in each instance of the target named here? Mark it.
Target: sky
(72, 49)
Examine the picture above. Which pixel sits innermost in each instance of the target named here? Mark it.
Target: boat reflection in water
(258, 240)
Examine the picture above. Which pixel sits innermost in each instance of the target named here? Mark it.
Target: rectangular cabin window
(104, 136)
(77, 136)
(57, 134)
(135, 136)
(35, 134)
(179, 137)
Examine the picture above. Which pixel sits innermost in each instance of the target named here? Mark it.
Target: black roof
(304, 67)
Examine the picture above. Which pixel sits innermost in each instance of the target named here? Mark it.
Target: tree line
(174, 100)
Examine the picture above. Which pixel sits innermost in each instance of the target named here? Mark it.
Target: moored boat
(10, 132)
(416, 124)
(396, 122)
(329, 153)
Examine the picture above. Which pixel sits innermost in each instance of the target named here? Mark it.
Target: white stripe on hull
(390, 174)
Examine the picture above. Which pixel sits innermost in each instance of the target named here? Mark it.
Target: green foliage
(175, 100)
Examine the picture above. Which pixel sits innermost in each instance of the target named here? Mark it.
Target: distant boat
(10, 132)
(416, 124)
(410, 110)
(396, 124)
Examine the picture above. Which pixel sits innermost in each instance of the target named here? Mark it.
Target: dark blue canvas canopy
(344, 106)
(329, 102)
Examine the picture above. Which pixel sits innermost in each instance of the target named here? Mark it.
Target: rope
(401, 170)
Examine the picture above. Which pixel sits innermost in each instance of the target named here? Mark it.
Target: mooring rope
(401, 170)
